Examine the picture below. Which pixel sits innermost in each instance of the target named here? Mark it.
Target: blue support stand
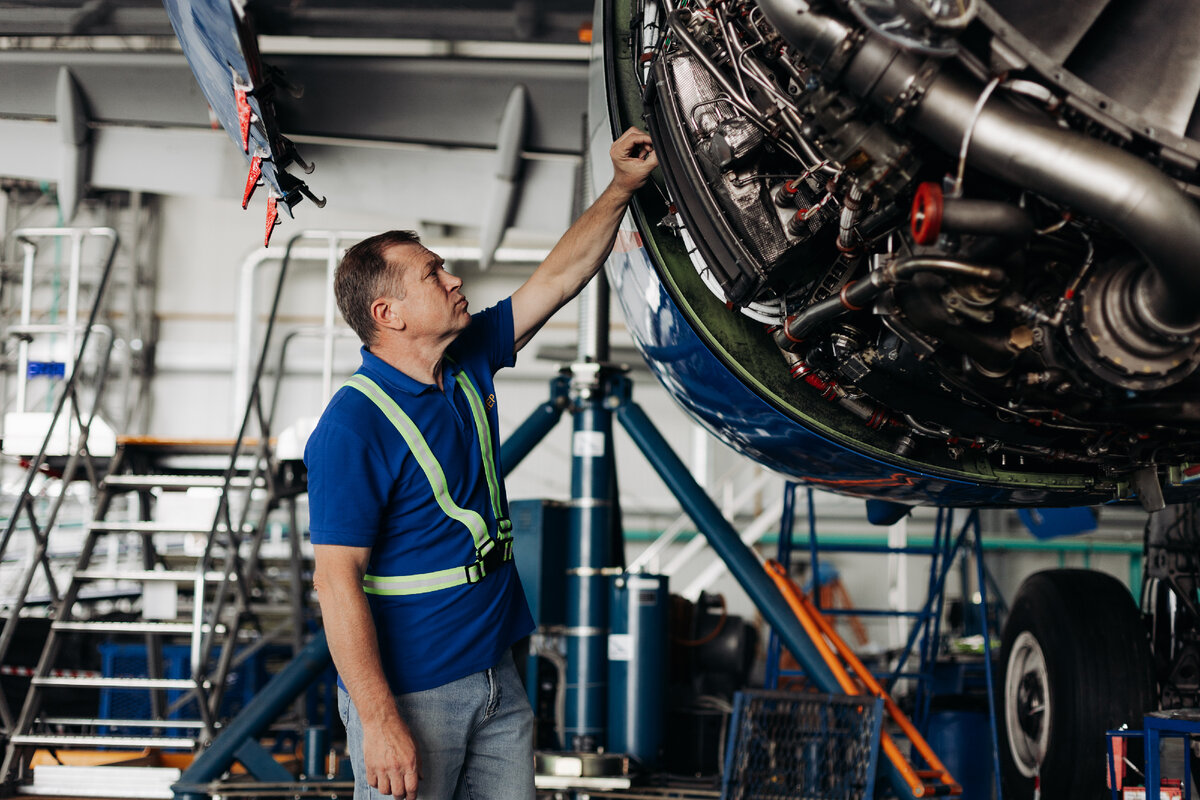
(588, 555)
(926, 632)
(239, 740)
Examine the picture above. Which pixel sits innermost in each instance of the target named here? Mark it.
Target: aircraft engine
(966, 232)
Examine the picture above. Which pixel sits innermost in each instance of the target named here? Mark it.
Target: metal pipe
(1095, 178)
(331, 263)
(254, 719)
(73, 297)
(855, 296)
(594, 320)
(905, 268)
(30, 250)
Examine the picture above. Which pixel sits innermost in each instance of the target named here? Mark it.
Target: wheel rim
(1027, 704)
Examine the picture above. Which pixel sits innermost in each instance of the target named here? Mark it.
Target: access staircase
(170, 571)
(199, 614)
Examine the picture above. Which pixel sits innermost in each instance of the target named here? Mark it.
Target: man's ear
(386, 314)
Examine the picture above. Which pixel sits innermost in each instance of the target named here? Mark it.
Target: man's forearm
(355, 649)
(582, 250)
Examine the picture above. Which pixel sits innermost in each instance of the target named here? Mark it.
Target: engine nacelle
(928, 235)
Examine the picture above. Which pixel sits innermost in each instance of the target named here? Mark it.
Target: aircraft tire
(1076, 663)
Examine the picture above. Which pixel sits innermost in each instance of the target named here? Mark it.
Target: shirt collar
(403, 382)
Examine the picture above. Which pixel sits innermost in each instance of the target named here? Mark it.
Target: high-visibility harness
(490, 553)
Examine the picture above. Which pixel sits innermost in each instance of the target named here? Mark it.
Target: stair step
(130, 526)
(106, 780)
(135, 742)
(129, 481)
(85, 626)
(124, 723)
(158, 575)
(117, 683)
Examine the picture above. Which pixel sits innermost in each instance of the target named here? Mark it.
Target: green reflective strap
(426, 582)
(431, 581)
(425, 458)
(475, 401)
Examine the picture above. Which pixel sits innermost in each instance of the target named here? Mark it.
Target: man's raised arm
(581, 251)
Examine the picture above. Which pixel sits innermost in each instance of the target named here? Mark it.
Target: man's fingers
(633, 143)
(410, 785)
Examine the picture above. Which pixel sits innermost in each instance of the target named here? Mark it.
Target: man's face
(431, 303)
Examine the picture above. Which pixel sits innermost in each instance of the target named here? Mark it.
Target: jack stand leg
(535, 427)
(588, 552)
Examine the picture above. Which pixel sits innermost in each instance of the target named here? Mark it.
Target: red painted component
(800, 369)
(828, 389)
(244, 116)
(252, 179)
(272, 219)
(926, 217)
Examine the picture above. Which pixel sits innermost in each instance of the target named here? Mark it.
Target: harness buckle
(493, 560)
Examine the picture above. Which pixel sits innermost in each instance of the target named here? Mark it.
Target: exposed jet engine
(963, 234)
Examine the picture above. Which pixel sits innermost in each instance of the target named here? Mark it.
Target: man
(408, 518)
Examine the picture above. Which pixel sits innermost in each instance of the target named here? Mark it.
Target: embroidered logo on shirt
(491, 400)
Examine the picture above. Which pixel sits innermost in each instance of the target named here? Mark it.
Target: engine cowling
(941, 240)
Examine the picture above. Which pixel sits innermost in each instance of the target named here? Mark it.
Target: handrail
(247, 293)
(740, 500)
(67, 394)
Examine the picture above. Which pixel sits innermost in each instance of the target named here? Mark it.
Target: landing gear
(1076, 663)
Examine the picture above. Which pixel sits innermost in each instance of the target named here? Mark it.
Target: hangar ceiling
(483, 20)
(395, 95)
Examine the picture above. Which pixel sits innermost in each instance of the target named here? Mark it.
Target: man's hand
(582, 249)
(633, 159)
(392, 761)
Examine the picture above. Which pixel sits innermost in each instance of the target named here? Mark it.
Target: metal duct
(1094, 178)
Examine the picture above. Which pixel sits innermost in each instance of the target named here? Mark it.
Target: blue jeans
(474, 737)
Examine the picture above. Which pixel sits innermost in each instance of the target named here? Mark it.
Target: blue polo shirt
(365, 489)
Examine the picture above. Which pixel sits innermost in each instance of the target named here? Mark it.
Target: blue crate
(129, 661)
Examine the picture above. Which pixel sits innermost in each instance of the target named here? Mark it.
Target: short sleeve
(348, 487)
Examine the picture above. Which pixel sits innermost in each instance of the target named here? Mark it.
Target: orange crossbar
(823, 635)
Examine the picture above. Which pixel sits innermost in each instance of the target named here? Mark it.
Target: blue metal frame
(943, 553)
(239, 740)
(1155, 728)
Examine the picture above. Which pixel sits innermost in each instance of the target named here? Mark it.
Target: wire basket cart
(802, 745)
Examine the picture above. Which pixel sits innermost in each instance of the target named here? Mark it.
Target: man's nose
(452, 281)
